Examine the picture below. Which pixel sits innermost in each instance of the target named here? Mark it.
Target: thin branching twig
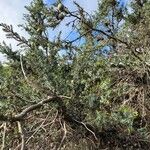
(22, 135)
(4, 136)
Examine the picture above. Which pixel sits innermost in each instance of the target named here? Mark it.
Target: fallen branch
(38, 128)
(61, 106)
(64, 136)
(82, 123)
(22, 135)
(21, 115)
(4, 136)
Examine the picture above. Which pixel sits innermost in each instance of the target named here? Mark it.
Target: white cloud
(88, 5)
(11, 13)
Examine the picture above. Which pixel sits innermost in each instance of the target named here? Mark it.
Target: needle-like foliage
(89, 90)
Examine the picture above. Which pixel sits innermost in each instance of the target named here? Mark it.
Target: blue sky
(12, 13)
(123, 2)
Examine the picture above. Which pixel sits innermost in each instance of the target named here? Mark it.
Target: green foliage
(105, 96)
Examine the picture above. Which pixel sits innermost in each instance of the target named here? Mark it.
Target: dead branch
(4, 136)
(22, 68)
(82, 123)
(38, 128)
(64, 136)
(22, 135)
(21, 115)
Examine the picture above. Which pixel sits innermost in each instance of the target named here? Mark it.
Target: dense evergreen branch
(11, 34)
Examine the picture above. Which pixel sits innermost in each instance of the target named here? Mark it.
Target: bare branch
(78, 38)
(22, 135)
(4, 136)
(21, 115)
(38, 128)
(23, 68)
(64, 136)
(87, 128)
